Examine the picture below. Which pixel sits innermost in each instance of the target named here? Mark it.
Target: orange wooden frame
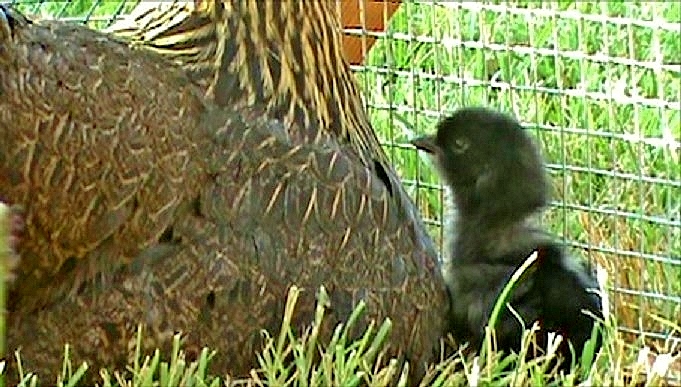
(376, 14)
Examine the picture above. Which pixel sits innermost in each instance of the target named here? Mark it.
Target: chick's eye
(460, 145)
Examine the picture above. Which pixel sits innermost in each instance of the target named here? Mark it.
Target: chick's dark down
(498, 184)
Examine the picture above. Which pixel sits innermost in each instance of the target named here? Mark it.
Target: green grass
(602, 98)
(96, 13)
(287, 360)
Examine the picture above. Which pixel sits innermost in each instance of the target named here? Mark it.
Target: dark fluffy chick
(498, 184)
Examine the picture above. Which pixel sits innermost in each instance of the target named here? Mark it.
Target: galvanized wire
(611, 133)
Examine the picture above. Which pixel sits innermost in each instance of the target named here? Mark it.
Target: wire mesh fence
(599, 84)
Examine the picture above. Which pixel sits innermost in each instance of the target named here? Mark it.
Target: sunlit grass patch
(290, 359)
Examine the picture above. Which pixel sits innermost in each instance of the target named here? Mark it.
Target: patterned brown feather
(251, 209)
(99, 160)
(287, 55)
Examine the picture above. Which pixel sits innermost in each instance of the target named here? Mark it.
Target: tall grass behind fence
(598, 84)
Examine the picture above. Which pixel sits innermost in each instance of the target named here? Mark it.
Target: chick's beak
(425, 143)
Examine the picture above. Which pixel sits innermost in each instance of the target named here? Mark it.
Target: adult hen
(252, 210)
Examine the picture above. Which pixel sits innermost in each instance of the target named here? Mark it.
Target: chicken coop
(596, 84)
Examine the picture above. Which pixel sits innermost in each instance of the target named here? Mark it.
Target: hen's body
(99, 161)
(187, 218)
(498, 184)
(286, 55)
